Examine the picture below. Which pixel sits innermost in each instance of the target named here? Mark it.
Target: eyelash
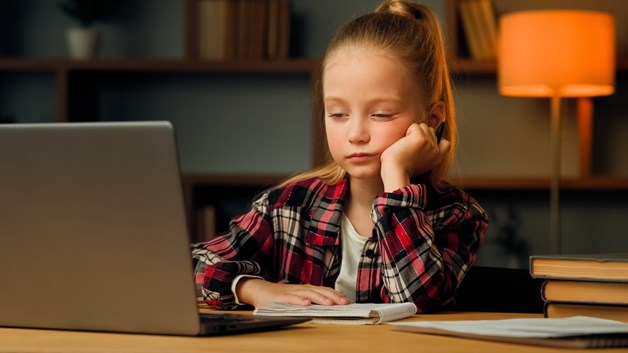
(379, 116)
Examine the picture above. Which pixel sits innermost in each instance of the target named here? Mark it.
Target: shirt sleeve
(425, 255)
(242, 250)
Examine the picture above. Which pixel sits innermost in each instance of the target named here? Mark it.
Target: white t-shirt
(352, 245)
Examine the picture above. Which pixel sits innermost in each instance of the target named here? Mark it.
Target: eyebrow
(376, 100)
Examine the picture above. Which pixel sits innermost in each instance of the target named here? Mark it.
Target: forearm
(394, 177)
(217, 263)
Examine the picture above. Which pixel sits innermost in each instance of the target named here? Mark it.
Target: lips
(360, 156)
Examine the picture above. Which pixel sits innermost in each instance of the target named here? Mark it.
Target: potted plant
(83, 40)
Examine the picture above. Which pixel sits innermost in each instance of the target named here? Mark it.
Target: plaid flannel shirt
(424, 240)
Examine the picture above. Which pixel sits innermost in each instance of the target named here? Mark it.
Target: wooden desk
(301, 338)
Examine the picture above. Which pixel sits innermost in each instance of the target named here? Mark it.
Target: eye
(337, 115)
(383, 116)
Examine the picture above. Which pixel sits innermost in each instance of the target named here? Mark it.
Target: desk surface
(306, 337)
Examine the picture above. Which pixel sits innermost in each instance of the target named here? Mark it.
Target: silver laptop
(93, 232)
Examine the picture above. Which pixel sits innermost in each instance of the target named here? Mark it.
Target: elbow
(435, 295)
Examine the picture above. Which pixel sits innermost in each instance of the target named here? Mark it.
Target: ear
(436, 114)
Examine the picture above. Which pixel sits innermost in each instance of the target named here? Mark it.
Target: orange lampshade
(569, 53)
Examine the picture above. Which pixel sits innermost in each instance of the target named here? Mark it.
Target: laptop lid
(93, 234)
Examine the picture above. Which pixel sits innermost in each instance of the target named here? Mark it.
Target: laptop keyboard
(230, 317)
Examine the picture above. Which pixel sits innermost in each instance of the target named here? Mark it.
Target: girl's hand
(258, 292)
(412, 155)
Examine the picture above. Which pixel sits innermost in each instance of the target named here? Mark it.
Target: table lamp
(556, 54)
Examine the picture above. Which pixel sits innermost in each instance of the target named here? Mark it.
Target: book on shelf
(258, 26)
(601, 267)
(242, 17)
(272, 41)
(471, 30)
(488, 26)
(284, 29)
(602, 311)
(585, 292)
(244, 30)
(573, 332)
(212, 29)
(351, 314)
(206, 223)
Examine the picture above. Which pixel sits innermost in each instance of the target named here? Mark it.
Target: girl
(377, 223)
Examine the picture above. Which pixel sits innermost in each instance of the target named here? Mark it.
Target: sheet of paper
(529, 328)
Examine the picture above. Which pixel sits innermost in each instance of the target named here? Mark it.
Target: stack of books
(243, 30)
(583, 285)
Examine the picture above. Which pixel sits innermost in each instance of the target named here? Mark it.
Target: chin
(364, 173)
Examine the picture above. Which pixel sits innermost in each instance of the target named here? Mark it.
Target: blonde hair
(410, 32)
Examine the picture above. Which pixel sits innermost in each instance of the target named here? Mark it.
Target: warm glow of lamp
(556, 54)
(568, 52)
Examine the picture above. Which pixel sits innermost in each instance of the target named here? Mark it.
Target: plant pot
(83, 43)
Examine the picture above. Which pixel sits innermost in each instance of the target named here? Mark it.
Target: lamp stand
(555, 141)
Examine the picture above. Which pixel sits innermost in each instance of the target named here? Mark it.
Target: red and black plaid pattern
(424, 240)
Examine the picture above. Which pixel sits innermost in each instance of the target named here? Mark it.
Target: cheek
(392, 134)
(333, 137)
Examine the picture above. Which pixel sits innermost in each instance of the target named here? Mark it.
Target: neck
(363, 191)
(358, 207)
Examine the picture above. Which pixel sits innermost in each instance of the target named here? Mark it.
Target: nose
(358, 131)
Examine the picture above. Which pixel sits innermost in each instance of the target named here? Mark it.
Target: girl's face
(370, 100)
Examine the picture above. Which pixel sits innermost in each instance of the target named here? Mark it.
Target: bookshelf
(467, 69)
(68, 90)
(76, 90)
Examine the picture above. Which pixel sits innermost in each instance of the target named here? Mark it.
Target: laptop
(93, 232)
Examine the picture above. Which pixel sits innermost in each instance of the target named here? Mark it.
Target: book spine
(488, 22)
(212, 27)
(470, 30)
(284, 27)
(272, 35)
(609, 312)
(600, 292)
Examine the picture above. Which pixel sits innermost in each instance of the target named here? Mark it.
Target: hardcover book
(610, 312)
(585, 292)
(602, 267)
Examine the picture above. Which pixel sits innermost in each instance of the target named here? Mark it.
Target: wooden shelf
(462, 65)
(600, 183)
(305, 66)
(233, 179)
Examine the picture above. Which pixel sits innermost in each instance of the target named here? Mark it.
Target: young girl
(377, 223)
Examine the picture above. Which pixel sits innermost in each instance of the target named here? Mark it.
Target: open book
(351, 314)
(572, 332)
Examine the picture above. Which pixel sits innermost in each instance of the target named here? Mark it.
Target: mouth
(360, 156)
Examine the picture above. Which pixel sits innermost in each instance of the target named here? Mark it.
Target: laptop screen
(93, 232)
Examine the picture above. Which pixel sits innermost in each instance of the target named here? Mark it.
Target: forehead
(364, 69)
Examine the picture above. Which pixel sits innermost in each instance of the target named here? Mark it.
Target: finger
(444, 146)
(428, 132)
(413, 128)
(294, 299)
(336, 297)
(321, 295)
